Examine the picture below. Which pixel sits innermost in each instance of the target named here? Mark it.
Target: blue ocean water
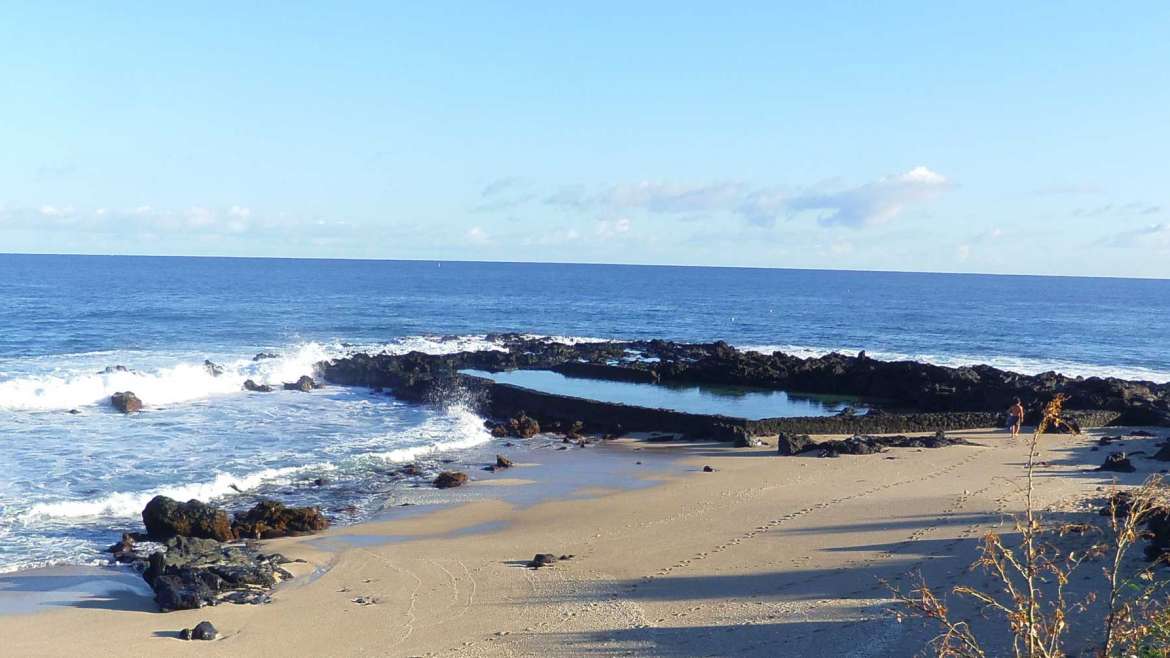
(69, 482)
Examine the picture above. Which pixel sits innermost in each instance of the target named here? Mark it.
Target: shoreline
(781, 551)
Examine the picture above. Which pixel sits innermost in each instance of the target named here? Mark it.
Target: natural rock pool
(739, 402)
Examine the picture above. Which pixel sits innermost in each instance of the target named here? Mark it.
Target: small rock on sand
(204, 630)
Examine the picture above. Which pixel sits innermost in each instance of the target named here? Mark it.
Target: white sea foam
(168, 384)
(130, 504)
(567, 340)
(1021, 365)
(459, 429)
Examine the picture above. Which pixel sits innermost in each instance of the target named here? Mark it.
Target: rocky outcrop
(165, 518)
(270, 519)
(304, 383)
(212, 368)
(450, 479)
(126, 402)
(520, 426)
(792, 444)
(861, 444)
(938, 397)
(193, 573)
(250, 385)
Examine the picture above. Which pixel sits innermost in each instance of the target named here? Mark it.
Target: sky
(992, 137)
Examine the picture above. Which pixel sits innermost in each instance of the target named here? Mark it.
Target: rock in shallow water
(304, 383)
(270, 519)
(250, 385)
(450, 479)
(165, 517)
(126, 402)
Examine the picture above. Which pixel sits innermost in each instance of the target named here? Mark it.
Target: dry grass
(1030, 576)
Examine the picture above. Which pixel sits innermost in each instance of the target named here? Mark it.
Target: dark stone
(542, 560)
(450, 479)
(1163, 454)
(264, 355)
(1117, 462)
(792, 444)
(213, 369)
(304, 383)
(1158, 531)
(165, 518)
(1119, 503)
(412, 470)
(250, 385)
(708, 469)
(126, 402)
(523, 427)
(193, 573)
(202, 631)
(503, 462)
(109, 370)
(863, 444)
(269, 519)
(320, 482)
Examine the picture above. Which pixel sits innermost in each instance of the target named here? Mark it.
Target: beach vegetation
(1031, 568)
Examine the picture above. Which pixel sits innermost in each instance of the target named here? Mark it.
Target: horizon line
(594, 264)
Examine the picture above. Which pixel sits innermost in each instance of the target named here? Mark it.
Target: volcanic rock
(165, 518)
(194, 572)
(503, 462)
(304, 383)
(1117, 462)
(202, 631)
(523, 427)
(450, 479)
(792, 444)
(542, 560)
(212, 368)
(250, 385)
(126, 402)
(269, 519)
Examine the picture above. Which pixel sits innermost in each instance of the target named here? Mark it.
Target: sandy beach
(766, 555)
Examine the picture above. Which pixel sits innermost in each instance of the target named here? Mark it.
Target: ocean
(74, 474)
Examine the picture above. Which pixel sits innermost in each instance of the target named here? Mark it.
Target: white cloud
(1155, 237)
(608, 229)
(873, 203)
(55, 211)
(477, 235)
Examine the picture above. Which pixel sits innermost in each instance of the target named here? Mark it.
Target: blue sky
(1002, 137)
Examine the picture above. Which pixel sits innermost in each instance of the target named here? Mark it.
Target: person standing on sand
(1015, 417)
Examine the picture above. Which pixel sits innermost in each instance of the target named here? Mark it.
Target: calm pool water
(739, 402)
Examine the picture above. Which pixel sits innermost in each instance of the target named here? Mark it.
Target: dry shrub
(1030, 577)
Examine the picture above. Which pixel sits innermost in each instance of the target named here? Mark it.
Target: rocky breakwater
(192, 555)
(928, 397)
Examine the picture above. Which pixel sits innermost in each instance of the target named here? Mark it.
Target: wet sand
(767, 555)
